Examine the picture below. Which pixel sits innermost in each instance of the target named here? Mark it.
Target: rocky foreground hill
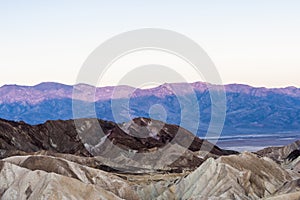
(66, 160)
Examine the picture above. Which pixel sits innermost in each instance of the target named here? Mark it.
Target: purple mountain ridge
(49, 90)
(249, 110)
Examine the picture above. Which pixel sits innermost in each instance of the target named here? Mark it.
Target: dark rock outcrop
(293, 155)
(82, 137)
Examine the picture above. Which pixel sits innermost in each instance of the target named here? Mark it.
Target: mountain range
(249, 109)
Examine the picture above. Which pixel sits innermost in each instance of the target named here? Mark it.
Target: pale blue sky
(256, 42)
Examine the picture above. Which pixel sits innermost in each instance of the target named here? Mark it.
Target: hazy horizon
(245, 84)
(251, 42)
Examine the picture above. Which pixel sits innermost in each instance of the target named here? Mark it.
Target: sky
(255, 42)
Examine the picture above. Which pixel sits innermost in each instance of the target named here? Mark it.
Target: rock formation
(53, 161)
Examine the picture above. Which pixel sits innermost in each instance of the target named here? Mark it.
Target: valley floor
(255, 142)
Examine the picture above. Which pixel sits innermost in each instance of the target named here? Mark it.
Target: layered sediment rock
(242, 176)
(52, 161)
